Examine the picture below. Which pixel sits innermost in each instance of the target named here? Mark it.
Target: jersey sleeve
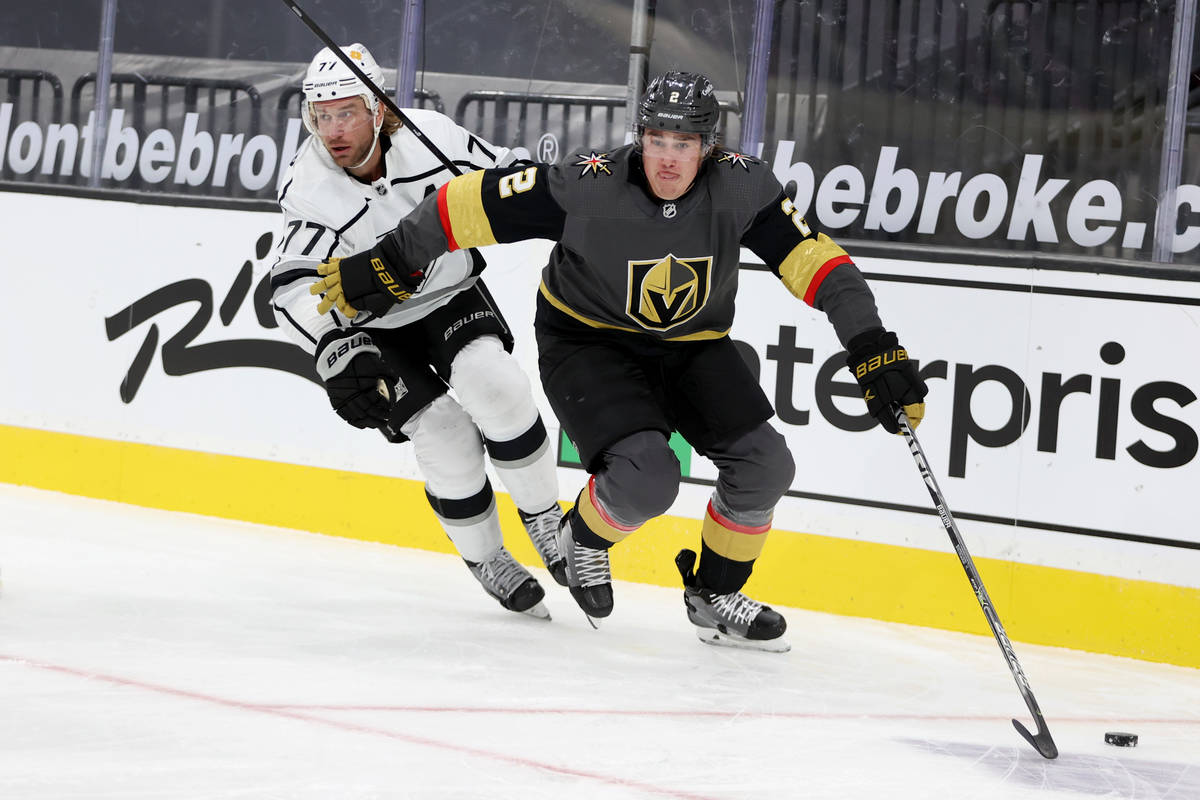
(306, 241)
(812, 266)
(482, 208)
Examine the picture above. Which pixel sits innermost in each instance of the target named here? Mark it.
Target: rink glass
(964, 123)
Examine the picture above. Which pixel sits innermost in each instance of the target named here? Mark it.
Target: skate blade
(538, 611)
(718, 639)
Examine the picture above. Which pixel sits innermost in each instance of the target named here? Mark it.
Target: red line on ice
(737, 714)
(287, 713)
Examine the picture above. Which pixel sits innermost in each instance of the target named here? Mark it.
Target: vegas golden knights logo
(668, 291)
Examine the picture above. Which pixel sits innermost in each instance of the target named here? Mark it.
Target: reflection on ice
(1122, 774)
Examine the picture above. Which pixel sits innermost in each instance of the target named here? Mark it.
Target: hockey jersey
(328, 213)
(627, 262)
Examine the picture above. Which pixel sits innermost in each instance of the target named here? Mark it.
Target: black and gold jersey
(628, 262)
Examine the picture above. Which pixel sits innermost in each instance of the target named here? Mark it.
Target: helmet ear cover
(684, 102)
(328, 78)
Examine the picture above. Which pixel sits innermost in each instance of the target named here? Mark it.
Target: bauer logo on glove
(344, 347)
(369, 280)
(381, 272)
(881, 360)
(352, 368)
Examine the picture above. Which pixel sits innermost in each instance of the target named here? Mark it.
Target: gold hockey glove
(887, 377)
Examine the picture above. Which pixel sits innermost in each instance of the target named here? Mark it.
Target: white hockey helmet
(328, 78)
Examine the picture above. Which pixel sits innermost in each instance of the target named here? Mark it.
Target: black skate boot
(510, 583)
(543, 531)
(729, 620)
(588, 574)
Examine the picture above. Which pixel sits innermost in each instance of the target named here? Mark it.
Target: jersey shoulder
(734, 161)
(740, 180)
(592, 181)
(595, 162)
(466, 148)
(430, 122)
(314, 188)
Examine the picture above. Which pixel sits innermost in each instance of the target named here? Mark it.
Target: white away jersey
(328, 213)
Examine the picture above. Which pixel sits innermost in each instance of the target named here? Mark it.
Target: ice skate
(543, 531)
(588, 575)
(510, 583)
(729, 620)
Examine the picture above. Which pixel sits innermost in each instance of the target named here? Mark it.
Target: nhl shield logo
(668, 291)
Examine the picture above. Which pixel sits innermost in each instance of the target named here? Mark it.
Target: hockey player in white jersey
(359, 173)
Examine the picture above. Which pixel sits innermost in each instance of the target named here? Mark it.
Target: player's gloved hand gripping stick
(1041, 741)
(886, 376)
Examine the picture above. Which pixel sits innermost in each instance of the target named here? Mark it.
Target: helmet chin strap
(374, 144)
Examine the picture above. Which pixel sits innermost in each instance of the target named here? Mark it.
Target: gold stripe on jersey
(468, 224)
(573, 314)
(801, 265)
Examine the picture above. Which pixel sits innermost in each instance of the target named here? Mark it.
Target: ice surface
(146, 654)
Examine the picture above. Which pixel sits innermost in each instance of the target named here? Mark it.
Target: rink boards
(143, 365)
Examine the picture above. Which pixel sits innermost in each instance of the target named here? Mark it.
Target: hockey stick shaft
(370, 84)
(1041, 741)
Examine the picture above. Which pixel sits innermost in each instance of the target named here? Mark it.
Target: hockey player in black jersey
(632, 327)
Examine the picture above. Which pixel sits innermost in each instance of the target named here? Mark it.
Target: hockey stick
(1041, 741)
(375, 90)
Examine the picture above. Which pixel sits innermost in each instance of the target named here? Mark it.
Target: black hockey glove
(887, 377)
(356, 379)
(374, 280)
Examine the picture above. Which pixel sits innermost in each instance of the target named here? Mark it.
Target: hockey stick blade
(1042, 741)
(375, 90)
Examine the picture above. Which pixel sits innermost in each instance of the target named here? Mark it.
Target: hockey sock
(596, 520)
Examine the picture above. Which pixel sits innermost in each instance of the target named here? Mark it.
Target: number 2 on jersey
(517, 182)
(797, 219)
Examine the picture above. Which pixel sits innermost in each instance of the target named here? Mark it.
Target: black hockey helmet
(680, 101)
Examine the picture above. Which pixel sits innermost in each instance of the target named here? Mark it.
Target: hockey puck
(1121, 739)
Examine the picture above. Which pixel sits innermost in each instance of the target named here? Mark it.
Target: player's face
(671, 160)
(346, 128)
